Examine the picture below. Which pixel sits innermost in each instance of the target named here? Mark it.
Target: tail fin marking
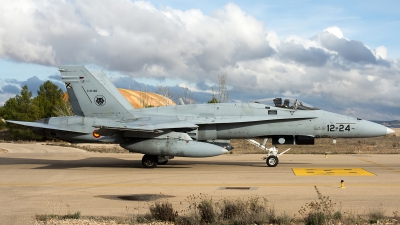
(93, 94)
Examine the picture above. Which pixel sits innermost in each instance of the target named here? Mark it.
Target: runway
(39, 179)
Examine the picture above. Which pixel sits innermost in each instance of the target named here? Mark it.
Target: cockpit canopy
(289, 103)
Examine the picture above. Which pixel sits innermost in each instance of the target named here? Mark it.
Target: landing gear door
(207, 132)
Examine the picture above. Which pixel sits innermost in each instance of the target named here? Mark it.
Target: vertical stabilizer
(74, 102)
(93, 94)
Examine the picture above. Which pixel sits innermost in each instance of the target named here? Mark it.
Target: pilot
(286, 103)
(278, 102)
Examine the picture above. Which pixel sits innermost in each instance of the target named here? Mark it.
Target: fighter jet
(102, 114)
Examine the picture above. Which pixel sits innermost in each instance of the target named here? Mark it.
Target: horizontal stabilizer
(41, 125)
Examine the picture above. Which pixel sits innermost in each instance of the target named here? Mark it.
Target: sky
(339, 56)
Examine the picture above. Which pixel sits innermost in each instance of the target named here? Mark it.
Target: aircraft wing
(42, 125)
(146, 126)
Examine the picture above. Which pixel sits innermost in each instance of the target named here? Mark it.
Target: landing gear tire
(272, 161)
(150, 161)
(163, 163)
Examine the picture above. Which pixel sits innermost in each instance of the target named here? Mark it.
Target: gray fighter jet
(102, 114)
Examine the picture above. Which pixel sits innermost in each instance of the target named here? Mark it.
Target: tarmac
(41, 179)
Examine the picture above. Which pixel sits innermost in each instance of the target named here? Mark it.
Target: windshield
(288, 103)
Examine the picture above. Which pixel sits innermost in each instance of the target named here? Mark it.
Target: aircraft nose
(390, 131)
(371, 129)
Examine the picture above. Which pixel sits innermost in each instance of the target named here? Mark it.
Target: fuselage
(225, 121)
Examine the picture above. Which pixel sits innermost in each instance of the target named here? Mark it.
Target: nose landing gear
(272, 155)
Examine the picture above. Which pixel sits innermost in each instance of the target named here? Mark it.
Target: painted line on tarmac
(331, 172)
(380, 165)
(99, 185)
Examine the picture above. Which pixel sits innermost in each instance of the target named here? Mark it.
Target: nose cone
(390, 131)
(370, 129)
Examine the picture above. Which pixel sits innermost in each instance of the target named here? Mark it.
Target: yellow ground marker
(342, 184)
(331, 172)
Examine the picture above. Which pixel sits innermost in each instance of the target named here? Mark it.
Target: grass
(101, 148)
(46, 217)
(376, 215)
(240, 211)
(318, 212)
(163, 211)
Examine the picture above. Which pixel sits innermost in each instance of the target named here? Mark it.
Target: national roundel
(95, 134)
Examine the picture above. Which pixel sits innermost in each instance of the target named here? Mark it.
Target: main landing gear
(272, 158)
(151, 161)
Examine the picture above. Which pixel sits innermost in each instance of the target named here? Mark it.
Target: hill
(141, 99)
(391, 124)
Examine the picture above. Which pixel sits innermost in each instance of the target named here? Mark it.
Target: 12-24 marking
(340, 128)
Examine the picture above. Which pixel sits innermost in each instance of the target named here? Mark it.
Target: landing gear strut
(272, 156)
(163, 162)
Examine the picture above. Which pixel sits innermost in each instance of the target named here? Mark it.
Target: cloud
(298, 53)
(55, 77)
(130, 37)
(335, 31)
(381, 52)
(139, 40)
(13, 86)
(9, 89)
(203, 86)
(351, 50)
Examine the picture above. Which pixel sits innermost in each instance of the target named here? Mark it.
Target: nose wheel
(272, 161)
(272, 156)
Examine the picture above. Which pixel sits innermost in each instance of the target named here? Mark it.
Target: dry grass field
(379, 145)
(397, 131)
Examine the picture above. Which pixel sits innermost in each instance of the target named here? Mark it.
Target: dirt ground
(389, 144)
(397, 130)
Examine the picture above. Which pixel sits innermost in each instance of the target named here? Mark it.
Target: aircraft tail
(93, 94)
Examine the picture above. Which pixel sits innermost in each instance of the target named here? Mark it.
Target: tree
(63, 109)
(187, 96)
(49, 97)
(222, 95)
(164, 91)
(213, 100)
(2, 124)
(21, 108)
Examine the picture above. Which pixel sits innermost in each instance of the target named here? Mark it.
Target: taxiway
(41, 179)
